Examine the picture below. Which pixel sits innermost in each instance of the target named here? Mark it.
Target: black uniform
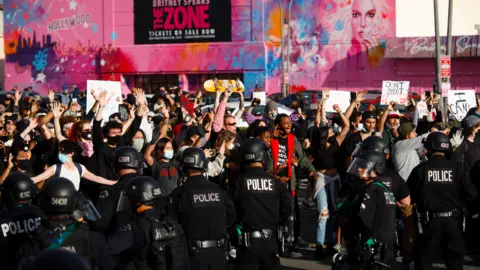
(204, 210)
(91, 246)
(16, 223)
(440, 188)
(262, 203)
(114, 215)
(150, 242)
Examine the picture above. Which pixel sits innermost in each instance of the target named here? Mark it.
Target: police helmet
(143, 189)
(438, 142)
(374, 143)
(253, 150)
(127, 158)
(193, 158)
(58, 196)
(368, 161)
(57, 259)
(18, 187)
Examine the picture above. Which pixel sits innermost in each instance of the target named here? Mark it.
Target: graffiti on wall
(320, 34)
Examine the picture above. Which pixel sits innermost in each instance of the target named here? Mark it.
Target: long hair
(77, 128)
(320, 137)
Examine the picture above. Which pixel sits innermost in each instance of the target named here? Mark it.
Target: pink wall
(334, 44)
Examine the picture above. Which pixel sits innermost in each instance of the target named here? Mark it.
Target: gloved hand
(405, 209)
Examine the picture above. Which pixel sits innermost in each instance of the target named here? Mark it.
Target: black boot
(320, 253)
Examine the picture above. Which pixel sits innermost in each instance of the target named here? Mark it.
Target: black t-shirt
(282, 155)
(327, 158)
(395, 183)
(351, 142)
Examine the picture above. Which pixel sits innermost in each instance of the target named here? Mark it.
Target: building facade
(337, 44)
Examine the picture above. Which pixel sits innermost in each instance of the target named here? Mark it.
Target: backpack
(58, 168)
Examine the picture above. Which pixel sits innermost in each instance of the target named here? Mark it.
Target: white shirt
(72, 175)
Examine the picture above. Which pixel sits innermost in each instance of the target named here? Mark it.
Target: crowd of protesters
(55, 136)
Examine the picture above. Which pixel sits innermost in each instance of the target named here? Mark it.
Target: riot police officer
(20, 218)
(56, 260)
(204, 210)
(151, 240)
(262, 203)
(370, 233)
(440, 188)
(389, 177)
(65, 228)
(112, 202)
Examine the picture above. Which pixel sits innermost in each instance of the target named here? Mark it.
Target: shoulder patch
(103, 194)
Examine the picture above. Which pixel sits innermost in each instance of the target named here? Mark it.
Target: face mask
(138, 144)
(62, 158)
(359, 126)
(272, 115)
(168, 154)
(86, 135)
(170, 134)
(23, 164)
(117, 140)
(87, 148)
(231, 146)
(331, 140)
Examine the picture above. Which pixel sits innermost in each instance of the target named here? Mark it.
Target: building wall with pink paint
(348, 45)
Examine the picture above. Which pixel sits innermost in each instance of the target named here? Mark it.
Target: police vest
(166, 242)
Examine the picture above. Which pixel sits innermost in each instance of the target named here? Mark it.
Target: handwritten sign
(260, 95)
(422, 109)
(460, 101)
(341, 98)
(395, 91)
(114, 89)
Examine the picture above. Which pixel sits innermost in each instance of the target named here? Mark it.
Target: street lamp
(284, 87)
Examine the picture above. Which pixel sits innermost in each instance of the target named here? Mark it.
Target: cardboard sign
(341, 98)
(460, 101)
(114, 89)
(260, 95)
(395, 91)
(422, 109)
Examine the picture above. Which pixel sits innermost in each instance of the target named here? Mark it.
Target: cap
(470, 121)
(405, 129)
(369, 114)
(442, 126)
(394, 114)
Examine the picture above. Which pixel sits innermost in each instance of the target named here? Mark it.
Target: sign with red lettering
(182, 21)
(446, 66)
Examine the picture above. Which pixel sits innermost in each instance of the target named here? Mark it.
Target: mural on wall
(322, 34)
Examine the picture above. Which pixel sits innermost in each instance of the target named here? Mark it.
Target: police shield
(358, 149)
(123, 202)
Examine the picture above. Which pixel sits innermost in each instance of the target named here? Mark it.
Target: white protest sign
(422, 109)
(260, 95)
(341, 98)
(114, 89)
(396, 91)
(460, 101)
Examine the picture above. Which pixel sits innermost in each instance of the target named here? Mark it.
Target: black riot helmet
(193, 158)
(367, 162)
(18, 187)
(371, 143)
(58, 196)
(438, 142)
(253, 150)
(143, 189)
(127, 158)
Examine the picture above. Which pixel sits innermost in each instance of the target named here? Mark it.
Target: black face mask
(86, 135)
(23, 164)
(117, 140)
(331, 140)
(170, 134)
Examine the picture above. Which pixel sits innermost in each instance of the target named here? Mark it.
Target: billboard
(182, 21)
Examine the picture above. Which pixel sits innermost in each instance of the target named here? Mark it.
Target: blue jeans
(325, 206)
(322, 207)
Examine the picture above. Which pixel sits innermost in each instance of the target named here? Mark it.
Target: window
(152, 83)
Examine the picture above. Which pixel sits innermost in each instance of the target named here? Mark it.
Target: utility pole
(289, 37)
(438, 57)
(282, 48)
(449, 53)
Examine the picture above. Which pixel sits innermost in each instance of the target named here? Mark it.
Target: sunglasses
(231, 124)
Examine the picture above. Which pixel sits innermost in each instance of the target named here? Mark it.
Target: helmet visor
(88, 208)
(123, 202)
(358, 149)
(361, 167)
